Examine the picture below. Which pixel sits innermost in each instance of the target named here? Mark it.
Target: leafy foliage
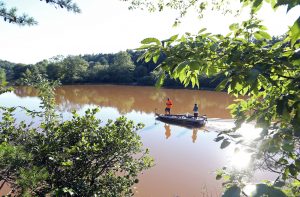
(3, 82)
(264, 74)
(12, 17)
(199, 6)
(74, 69)
(77, 157)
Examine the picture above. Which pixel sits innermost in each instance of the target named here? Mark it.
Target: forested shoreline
(114, 68)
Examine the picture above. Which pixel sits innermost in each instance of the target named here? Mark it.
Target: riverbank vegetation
(78, 157)
(119, 68)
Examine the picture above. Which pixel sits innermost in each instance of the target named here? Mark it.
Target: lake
(185, 159)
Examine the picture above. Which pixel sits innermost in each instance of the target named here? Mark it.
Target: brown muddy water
(185, 159)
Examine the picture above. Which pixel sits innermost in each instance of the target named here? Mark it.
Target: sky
(107, 26)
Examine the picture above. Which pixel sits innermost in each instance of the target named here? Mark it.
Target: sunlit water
(185, 159)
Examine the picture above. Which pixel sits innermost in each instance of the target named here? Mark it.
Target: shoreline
(133, 84)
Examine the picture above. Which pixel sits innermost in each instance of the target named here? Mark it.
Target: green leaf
(234, 26)
(218, 138)
(290, 3)
(295, 32)
(181, 66)
(202, 30)
(256, 5)
(214, 47)
(143, 47)
(283, 161)
(194, 65)
(295, 62)
(238, 87)
(262, 34)
(182, 76)
(297, 163)
(273, 3)
(156, 57)
(276, 45)
(193, 80)
(293, 170)
(245, 3)
(287, 53)
(222, 85)
(148, 58)
(182, 39)
(233, 191)
(285, 174)
(173, 38)
(257, 36)
(151, 40)
(160, 80)
(224, 144)
(279, 184)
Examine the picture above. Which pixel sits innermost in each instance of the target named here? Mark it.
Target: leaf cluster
(264, 75)
(77, 157)
(200, 6)
(3, 82)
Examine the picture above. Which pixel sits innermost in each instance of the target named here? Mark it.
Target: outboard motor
(205, 118)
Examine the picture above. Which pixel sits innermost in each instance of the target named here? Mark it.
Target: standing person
(169, 105)
(196, 111)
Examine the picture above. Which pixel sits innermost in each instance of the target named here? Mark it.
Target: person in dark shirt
(196, 111)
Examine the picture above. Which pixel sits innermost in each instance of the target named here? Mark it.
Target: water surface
(185, 159)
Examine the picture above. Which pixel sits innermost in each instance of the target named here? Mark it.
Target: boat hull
(183, 120)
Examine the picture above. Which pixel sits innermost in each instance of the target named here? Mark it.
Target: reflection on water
(194, 136)
(185, 159)
(240, 160)
(249, 132)
(168, 131)
(134, 98)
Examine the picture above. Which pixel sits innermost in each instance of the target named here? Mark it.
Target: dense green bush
(77, 157)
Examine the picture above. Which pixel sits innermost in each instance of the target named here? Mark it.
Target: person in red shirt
(169, 105)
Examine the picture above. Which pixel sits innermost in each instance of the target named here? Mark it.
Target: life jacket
(169, 103)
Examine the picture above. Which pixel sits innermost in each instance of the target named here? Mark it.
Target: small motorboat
(182, 119)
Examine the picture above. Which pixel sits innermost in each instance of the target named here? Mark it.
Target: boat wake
(219, 124)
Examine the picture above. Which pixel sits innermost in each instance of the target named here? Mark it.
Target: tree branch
(11, 15)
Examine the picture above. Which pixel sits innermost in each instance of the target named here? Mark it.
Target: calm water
(185, 159)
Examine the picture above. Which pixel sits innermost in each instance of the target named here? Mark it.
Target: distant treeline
(119, 68)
